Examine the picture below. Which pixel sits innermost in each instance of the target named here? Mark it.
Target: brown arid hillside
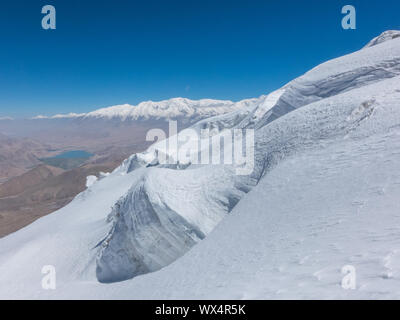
(41, 191)
(29, 179)
(19, 154)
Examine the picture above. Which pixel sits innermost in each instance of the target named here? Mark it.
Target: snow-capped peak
(60, 116)
(166, 109)
(383, 37)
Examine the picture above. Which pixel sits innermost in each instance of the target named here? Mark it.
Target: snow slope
(385, 36)
(323, 194)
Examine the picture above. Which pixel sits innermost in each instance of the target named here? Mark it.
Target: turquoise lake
(75, 154)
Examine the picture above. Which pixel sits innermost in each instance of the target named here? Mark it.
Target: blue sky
(112, 52)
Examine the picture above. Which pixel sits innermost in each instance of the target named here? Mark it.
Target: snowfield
(324, 193)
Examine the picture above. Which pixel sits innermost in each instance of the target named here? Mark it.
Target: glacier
(323, 194)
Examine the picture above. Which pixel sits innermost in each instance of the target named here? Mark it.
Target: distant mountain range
(176, 108)
(117, 123)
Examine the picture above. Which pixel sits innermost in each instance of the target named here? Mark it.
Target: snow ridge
(385, 36)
